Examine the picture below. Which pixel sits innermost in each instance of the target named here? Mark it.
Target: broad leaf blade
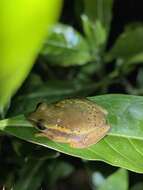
(99, 10)
(31, 176)
(128, 46)
(96, 20)
(24, 26)
(123, 146)
(118, 181)
(137, 186)
(95, 34)
(66, 47)
(51, 91)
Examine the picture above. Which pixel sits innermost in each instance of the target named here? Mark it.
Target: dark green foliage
(80, 61)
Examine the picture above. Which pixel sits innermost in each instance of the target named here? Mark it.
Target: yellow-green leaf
(24, 24)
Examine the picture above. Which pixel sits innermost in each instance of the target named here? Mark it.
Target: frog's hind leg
(77, 145)
(78, 142)
(91, 138)
(94, 137)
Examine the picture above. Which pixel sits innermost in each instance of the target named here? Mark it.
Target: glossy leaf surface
(123, 146)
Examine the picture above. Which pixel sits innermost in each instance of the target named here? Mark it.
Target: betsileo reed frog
(78, 122)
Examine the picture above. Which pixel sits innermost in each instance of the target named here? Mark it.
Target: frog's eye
(40, 125)
(38, 105)
(41, 106)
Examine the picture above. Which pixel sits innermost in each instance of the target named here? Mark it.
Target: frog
(78, 122)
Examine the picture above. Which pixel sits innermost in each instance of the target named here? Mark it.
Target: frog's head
(41, 118)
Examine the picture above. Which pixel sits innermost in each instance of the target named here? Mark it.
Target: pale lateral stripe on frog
(68, 131)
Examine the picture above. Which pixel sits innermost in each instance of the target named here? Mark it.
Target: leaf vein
(135, 147)
(117, 151)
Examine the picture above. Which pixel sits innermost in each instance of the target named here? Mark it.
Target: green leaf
(61, 170)
(95, 33)
(33, 151)
(66, 47)
(23, 26)
(128, 46)
(138, 186)
(118, 181)
(97, 15)
(123, 146)
(100, 10)
(50, 91)
(31, 176)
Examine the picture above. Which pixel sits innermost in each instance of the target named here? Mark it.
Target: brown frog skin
(78, 122)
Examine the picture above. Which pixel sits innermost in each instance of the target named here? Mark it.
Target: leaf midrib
(4, 123)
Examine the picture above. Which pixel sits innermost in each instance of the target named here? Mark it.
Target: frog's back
(81, 115)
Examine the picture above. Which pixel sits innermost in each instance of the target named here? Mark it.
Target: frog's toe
(77, 145)
(40, 135)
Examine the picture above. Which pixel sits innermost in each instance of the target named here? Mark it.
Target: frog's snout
(31, 118)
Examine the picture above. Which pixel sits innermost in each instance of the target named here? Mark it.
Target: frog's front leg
(53, 137)
(40, 135)
(47, 135)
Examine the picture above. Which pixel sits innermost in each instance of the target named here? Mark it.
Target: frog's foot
(91, 138)
(96, 136)
(78, 142)
(40, 135)
(77, 145)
